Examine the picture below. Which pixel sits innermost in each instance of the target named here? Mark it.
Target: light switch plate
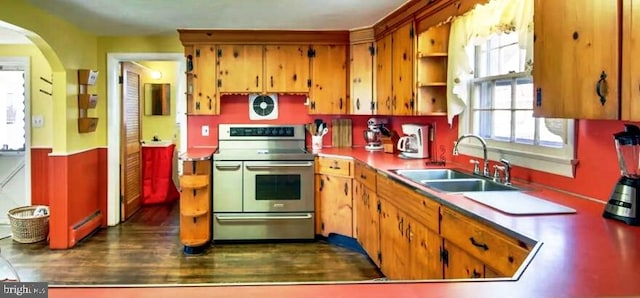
(37, 120)
(205, 130)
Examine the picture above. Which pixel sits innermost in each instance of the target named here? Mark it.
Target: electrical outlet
(205, 130)
(37, 120)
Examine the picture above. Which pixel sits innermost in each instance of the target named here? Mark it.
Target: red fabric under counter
(157, 175)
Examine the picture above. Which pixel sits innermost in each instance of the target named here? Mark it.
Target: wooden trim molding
(424, 13)
(206, 36)
(363, 35)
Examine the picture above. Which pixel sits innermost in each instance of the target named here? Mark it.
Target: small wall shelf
(86, 101)
(432, 70)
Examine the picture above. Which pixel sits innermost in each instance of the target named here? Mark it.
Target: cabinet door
(575, 71)
(336, 205)
(203, 81)
(362, 100)
(240, 68)
(383, 76)
(461, 264)
(329, 80)
(287, 68)
(394, 247)
(631, 65)
(367, 220)
(424, 252)
(402, 70)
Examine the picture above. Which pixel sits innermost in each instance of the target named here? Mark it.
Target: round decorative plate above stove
(263, 106)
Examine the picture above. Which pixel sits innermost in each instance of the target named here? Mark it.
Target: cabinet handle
(346, 189)
(257, 79)
(538, 97)
(409, 233)
(363, 177)
(478, 244)
(373, 106)
(321, 184)
(272, 81)
(340, 103)
(602, 88)
(334, 166)
(475, 274)
(357, 103)
(209, 97)
(401, 225)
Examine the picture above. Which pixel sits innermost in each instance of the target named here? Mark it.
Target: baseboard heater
(84, 228)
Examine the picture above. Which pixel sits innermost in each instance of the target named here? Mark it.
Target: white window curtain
(473, 28)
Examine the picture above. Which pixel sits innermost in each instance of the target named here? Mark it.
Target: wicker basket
(27, 228)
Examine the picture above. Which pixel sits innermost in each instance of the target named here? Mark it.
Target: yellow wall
(130, 44)
(41, 104)
(67, 48)
(162, 126)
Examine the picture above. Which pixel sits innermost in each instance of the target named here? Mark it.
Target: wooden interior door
(130, 154)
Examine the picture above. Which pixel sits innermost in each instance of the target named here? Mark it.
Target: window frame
(559, 161)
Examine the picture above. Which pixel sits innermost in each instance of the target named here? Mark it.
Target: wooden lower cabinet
(421, 239)
(460, 264)
(394, 247)
(334, 194)
(367, 220)
(409, 249)
(424, 252)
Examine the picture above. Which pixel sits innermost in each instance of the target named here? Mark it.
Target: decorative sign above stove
(263, 106)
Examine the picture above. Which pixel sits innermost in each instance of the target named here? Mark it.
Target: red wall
(596, 173)
(77, 185)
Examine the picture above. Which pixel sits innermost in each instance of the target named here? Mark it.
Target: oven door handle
(272, 217)
(228, 167)
(277, 165)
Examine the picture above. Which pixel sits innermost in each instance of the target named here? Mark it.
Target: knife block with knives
(389, 142)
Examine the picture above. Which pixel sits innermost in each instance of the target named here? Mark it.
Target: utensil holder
(316, 143)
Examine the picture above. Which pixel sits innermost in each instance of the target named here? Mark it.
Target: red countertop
(582, 255)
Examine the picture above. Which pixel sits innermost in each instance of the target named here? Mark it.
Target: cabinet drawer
(418, 206)
(365, 175)
(334, 166)
(500, 252)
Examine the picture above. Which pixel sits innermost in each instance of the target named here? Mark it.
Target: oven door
(278, 186)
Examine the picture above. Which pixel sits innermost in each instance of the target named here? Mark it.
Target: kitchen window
(495, 89)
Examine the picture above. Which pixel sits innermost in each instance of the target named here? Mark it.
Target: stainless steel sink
(466, 185)
(419, 175)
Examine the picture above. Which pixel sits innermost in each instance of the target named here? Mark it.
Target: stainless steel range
(262, 183)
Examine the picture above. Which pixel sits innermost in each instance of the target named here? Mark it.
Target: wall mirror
(157, 99)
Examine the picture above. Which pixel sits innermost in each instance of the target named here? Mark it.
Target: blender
(623, 201)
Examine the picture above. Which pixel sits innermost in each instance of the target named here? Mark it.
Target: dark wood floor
(147, 250)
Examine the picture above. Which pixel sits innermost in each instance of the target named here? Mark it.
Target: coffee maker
(415, 142)
(624, 199)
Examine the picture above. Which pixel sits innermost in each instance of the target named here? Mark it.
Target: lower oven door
(259, 226)
(278, 186)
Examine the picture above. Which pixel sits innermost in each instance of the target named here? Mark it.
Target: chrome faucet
(485, 169)
(507, 171)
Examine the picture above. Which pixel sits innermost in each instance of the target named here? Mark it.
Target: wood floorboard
(147, 250)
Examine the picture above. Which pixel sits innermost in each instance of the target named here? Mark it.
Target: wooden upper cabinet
(328, 91)
(240, 68)
(287, 68)
(630, 93)
(402, 70)
(362, 100)
(383, 76)
(576, 59)
(202, 97)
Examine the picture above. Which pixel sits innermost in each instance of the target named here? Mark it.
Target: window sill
(539, 162)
